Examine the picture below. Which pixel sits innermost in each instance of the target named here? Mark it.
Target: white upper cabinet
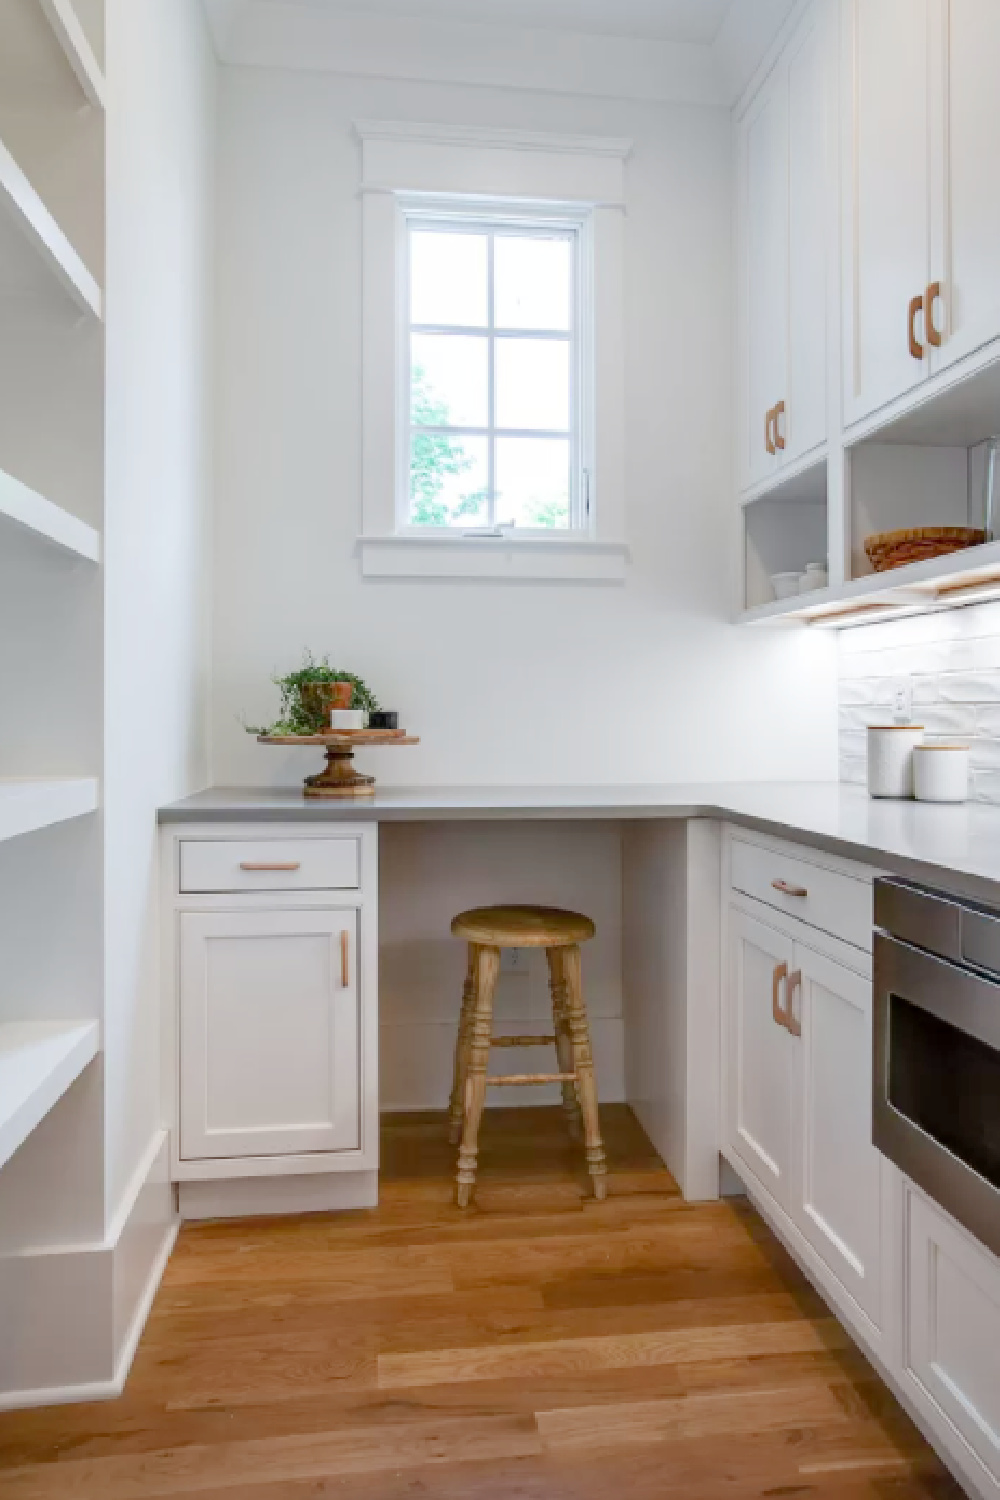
(783, 195)
(921, 114)
(966, 176)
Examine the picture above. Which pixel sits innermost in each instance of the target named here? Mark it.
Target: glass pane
(533, 383)
(449, 380)
(533, 481)
(449, 480)
(532, 282)
(448, 279)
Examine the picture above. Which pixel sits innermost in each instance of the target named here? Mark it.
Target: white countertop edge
(957, 843)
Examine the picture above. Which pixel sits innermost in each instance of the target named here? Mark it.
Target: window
(493, 379)
(493, 354)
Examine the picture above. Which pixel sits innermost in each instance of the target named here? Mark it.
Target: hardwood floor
(539, 1347)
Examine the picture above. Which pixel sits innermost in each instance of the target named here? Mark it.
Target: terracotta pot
(318, 698)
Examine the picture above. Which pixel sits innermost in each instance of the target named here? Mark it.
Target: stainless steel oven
(937, 1049)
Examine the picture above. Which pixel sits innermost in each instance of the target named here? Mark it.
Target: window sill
(538, 559)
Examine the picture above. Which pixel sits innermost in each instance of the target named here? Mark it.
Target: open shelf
(22, 507)
(65, 19)
(785, 528)
(38, 1062)
(27, 804)
(27, 219)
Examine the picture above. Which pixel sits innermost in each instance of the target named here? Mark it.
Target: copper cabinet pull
(345, 963)
(779, 411)
(916, 348)
(780, 973)
(768, 439)
(247, 864)
(931, 295)
(792, 1024)
(788, 890)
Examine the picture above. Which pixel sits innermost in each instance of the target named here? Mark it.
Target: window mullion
(491, 418)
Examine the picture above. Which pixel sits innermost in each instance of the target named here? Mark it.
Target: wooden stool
(487, 930)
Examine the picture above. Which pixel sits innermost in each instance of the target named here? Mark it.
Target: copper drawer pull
(780, 973)
(788, 890)
(792, 1024)
(345, 963)
(768, 439)
(249, 865)
(779, 411)
(931, 295)
(916, 348)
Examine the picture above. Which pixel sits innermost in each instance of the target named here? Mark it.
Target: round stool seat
(523, 927)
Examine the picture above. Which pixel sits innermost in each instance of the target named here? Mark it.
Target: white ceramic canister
(890, 758)
(941, 773)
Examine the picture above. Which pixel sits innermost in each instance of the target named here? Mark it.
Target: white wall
(161, 118)
(504, 683)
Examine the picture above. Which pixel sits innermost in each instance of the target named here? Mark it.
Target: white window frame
(512, 174)
(492, 218)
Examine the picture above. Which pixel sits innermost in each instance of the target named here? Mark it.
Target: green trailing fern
(296, 715)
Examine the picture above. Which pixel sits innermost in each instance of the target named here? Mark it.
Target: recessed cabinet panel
(759, 1098)
(269, 1044)
(838, 1168)
(966, 240)
(953, 1326)
(802, 425)
(765, 168)
(887, 218)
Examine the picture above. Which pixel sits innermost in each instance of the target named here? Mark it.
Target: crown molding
(487, 137)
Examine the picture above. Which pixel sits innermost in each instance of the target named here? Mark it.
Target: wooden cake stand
(339, 778)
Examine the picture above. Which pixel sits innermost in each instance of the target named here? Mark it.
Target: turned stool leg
(564, 1046)
(487, 970)
(583, 1066)
(457, 1104)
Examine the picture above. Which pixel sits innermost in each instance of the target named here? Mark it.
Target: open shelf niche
(783, 531)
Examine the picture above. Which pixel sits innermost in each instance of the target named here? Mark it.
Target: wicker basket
(893, 549)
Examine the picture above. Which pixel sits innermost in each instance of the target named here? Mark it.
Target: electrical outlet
(902, 699)
(514, 961)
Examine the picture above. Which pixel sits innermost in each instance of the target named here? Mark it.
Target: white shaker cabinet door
(764, 271)
(885, 105)
(759, 1054)
(802, 424)
(269, 1035)
(837, 1169)
(966, 239)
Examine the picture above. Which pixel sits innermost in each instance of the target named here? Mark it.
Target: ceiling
(661, 20)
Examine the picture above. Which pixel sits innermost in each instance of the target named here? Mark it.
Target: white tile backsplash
(953, 659)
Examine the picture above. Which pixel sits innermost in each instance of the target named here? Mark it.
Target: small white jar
(890, 758)
(348, 718)
(941, 773)
(814, 577)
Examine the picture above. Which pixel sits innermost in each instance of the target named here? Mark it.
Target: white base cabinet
(917, 1291)
(271, 938)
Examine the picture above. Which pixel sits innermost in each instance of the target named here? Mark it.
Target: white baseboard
(73, 1314)
(243, 1197)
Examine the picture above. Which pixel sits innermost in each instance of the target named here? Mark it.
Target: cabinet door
(759, 1053)
(803, 424)
(764, 268)
(967, 187)
(887, 213)
(269, 1044)
(837, 1170)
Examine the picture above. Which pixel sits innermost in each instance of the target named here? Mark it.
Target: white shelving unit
(52, 218)
(38, 1062)
(23, 508)
(30, 803)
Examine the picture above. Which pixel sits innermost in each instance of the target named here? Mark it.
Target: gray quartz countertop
(958, 843)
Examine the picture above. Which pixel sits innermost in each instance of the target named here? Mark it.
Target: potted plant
(308, 695)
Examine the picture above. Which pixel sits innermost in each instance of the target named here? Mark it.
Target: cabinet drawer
(824, 898)
(268, 865)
